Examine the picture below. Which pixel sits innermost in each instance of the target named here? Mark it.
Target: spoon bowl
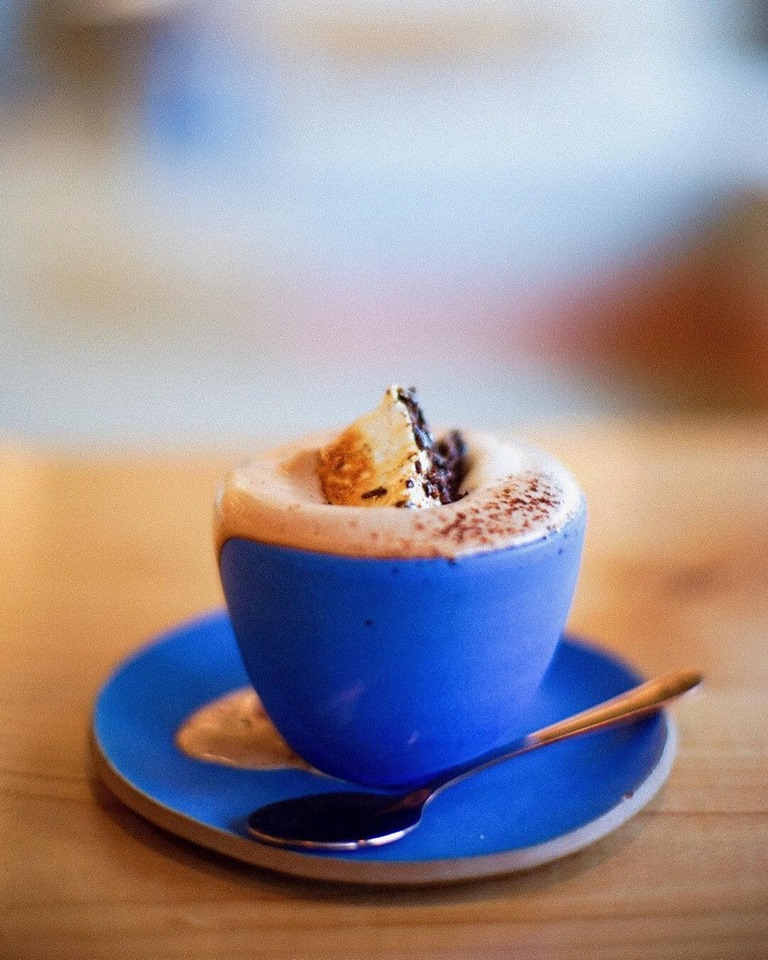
(343, 820)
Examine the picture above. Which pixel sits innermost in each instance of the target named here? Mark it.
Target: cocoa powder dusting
(516, 508)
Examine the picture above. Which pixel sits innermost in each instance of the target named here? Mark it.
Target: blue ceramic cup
(387, 671)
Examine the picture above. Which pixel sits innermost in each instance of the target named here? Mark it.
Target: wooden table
(97, 554)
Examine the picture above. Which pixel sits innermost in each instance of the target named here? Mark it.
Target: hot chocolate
(512, 494)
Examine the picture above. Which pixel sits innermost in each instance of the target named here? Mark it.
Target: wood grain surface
(99, 553)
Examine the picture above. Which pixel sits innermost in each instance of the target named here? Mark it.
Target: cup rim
(578, 517)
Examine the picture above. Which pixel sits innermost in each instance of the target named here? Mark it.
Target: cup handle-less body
(386, 672)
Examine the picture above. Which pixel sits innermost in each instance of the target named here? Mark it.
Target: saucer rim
(330, 867)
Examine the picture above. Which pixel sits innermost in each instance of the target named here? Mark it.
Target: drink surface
(512, 495)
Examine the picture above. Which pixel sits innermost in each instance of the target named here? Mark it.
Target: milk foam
(515, 494)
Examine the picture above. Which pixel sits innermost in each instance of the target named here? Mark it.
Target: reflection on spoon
(235, 731)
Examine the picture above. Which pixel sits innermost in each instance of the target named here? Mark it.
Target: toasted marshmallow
(383, 459)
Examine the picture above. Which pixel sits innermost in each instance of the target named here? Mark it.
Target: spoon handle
(637, 702)
(645, 699)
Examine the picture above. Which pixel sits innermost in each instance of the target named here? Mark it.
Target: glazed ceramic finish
(385, 672)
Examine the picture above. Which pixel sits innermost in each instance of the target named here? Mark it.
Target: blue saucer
(537, 808)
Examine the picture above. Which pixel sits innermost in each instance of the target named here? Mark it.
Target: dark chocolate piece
(448, 455)
(448, 466)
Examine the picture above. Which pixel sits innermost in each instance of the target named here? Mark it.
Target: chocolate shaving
(448, 465)
(374, 494)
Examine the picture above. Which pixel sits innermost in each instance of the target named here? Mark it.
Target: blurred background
(243, 218)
